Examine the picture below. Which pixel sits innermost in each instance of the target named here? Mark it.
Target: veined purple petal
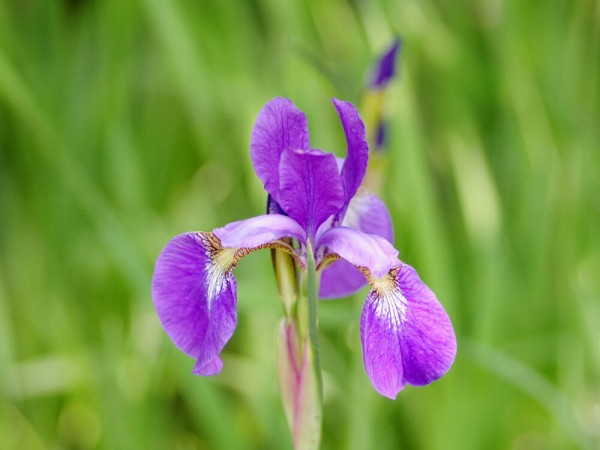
(406, 335)
(279, 126)
(385, 67)
(355, 165)
(193, 288)
(257, 231)
(368, 251)
(194, 295)
(367, 213)
(310, 189)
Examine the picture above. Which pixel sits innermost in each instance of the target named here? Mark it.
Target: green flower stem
(313, 316)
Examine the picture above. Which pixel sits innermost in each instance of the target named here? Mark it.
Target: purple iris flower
(406, 335)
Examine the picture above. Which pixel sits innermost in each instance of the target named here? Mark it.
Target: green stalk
(312, 294)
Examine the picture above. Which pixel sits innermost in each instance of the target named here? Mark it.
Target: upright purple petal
(279, 126)
(194, 295)
(385, 68)
(367, 213)
(355, 165)
(406, 335)
(310, 188)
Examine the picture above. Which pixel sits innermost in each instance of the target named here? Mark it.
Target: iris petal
(259, 230)
(193, 288)
(340, 279)
(310, 187)
(279, 126)
(406, 335)
(372, 254)
(195, 296)
(355, 164)
(368, 214)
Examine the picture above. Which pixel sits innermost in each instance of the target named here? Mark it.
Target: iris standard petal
(310, 189)
(357, 157)
(406, 335)
(367, 213)
(258, 231)
(194, 294)
(279, 126)
(372, 254)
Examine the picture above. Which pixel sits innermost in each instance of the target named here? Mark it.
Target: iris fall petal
(406, 335)
(194, 295)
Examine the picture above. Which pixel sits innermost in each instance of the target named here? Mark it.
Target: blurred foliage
(123, 123)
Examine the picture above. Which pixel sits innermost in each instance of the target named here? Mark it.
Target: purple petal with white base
(279, 126)
(355, 164)
(406, 335)
(194, 295)
(310, 188)
(367, 213)
(193, 288)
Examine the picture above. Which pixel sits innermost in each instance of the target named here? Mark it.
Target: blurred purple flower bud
(385, 69)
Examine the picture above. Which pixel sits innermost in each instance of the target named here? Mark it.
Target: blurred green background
(124, 123)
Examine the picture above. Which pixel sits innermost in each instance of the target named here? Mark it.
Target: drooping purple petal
(310, 188)
(193, 288)
(368, 251)
(194, 294)
(357, 157)
(257, 231)
(406, 335)
(385, 67)
(279, 126)
(367, 213)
